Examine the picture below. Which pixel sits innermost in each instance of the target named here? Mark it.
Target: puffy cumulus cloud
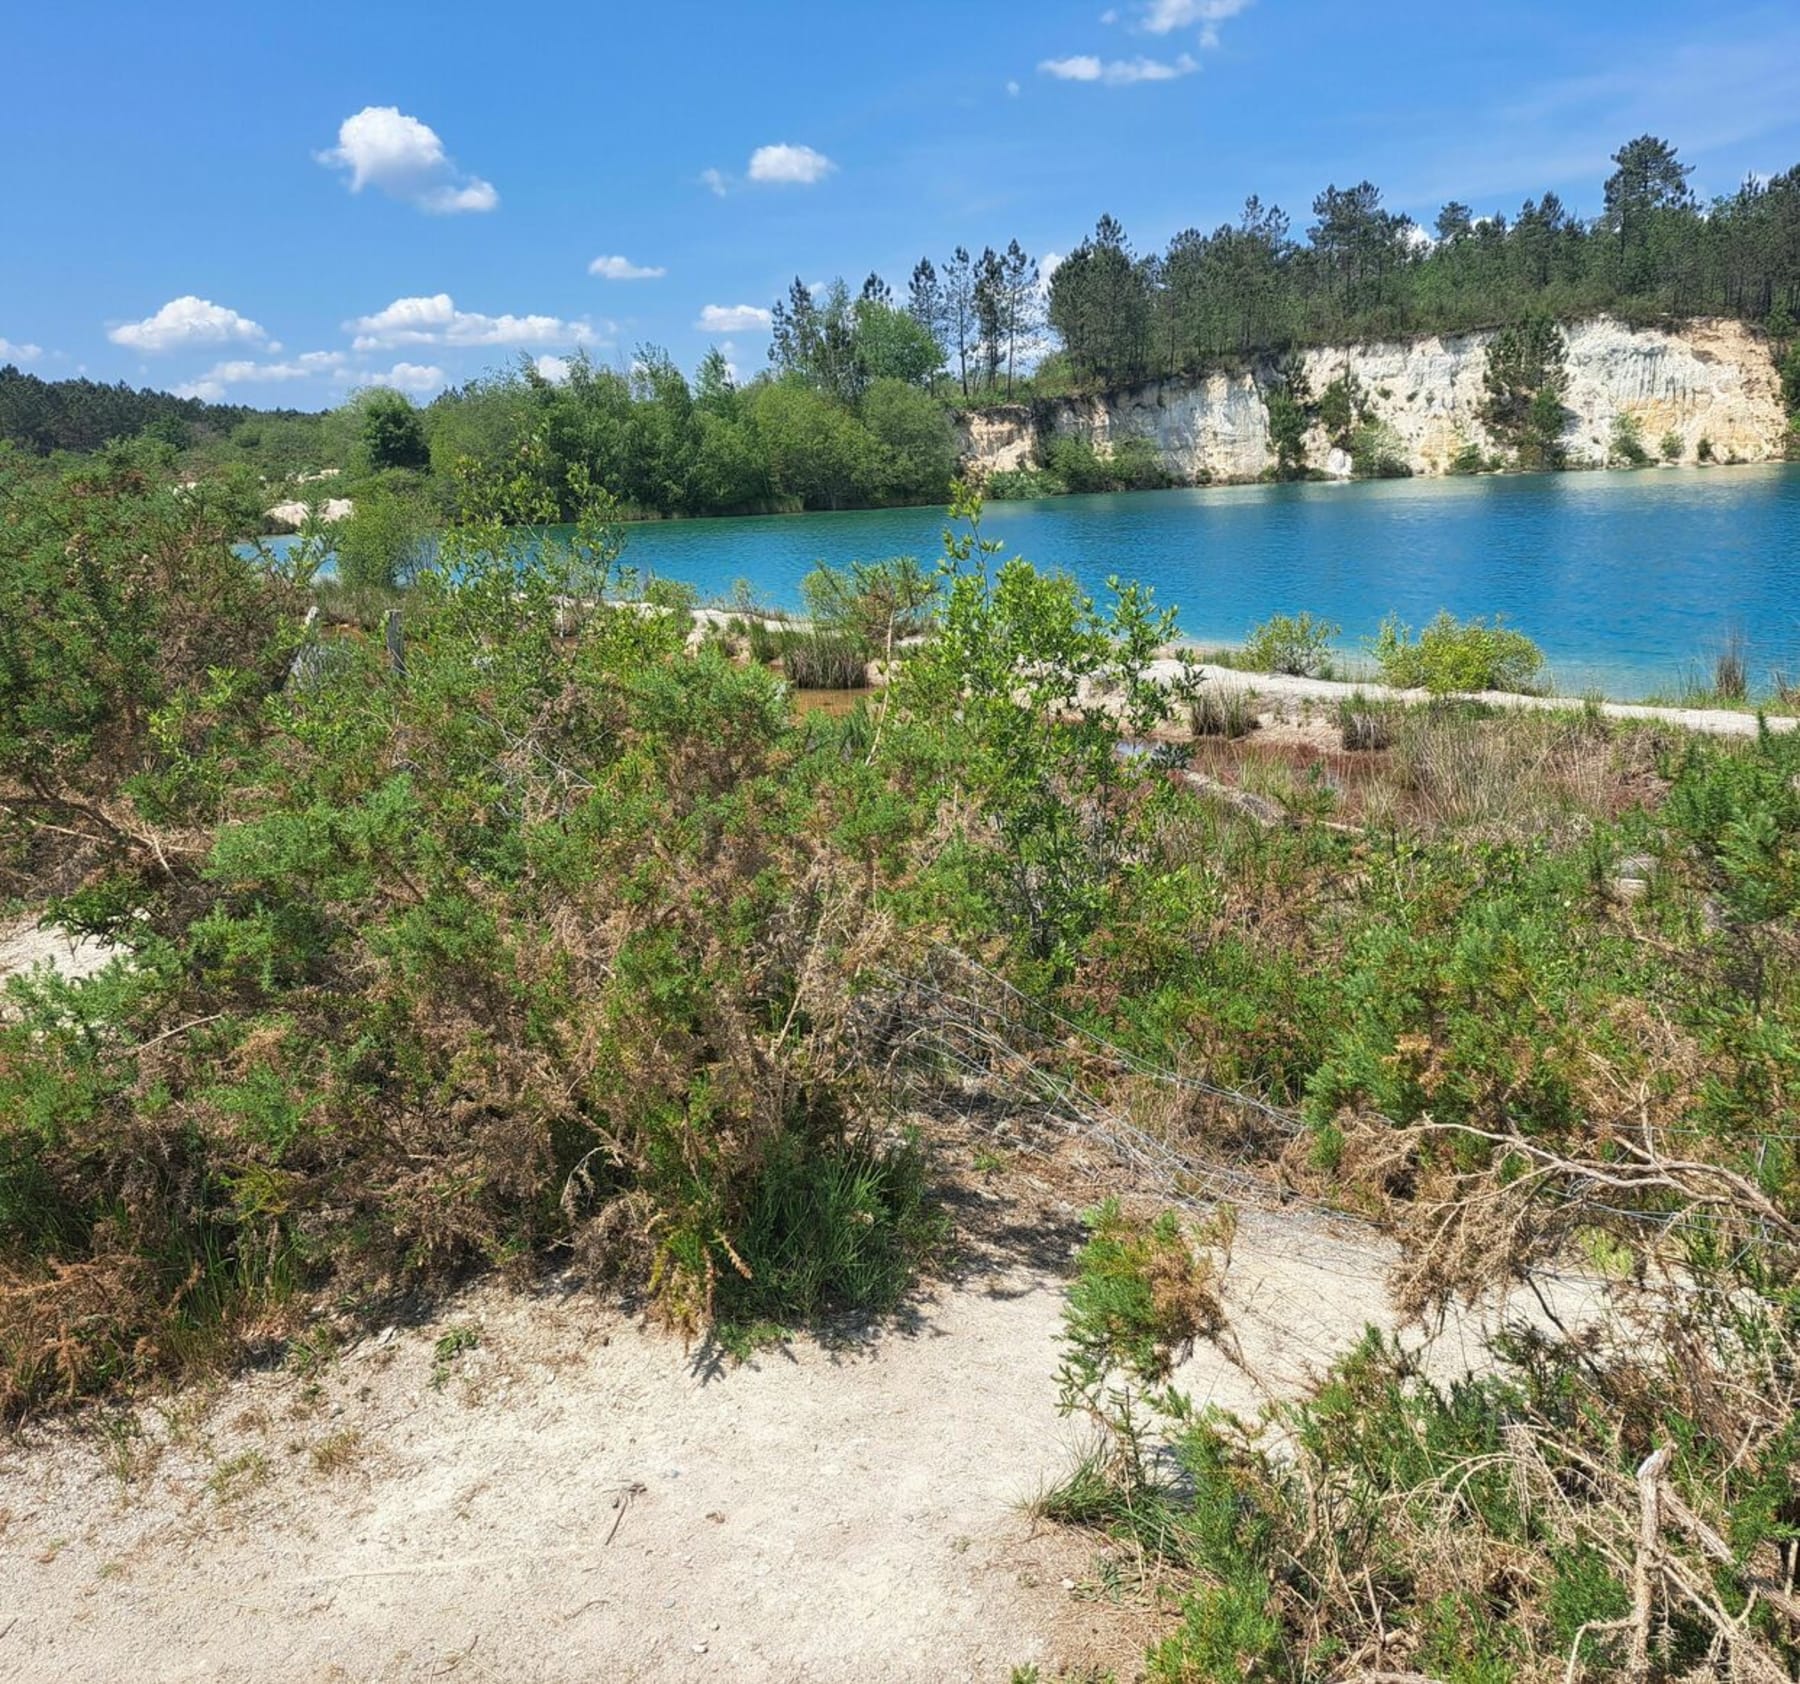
(552, 368)
(733, 318)
(623, 269)
(416, 378)
(13, 351)
(381, 147)
(715, 182)
(1163, 17)
(1118, 72)
(221, 377)
(789, 165)
(437, 321)
(187, 321)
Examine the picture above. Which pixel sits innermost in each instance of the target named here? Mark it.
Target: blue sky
(276, 204)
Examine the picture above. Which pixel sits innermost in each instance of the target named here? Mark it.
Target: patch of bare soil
(24, 947)
(533, 1487)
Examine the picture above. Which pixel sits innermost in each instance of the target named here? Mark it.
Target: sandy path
(1717, 722)
(577, 1498)
(813, 1515)
(818, 1514)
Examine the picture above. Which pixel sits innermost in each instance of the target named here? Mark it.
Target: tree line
(45, 416)
(1363, 271)
(855, 405)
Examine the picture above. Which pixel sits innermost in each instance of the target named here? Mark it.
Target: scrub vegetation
(549, 932)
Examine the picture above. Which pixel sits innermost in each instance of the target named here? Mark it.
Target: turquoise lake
(1627, 580)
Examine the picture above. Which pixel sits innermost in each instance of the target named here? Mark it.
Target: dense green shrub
(1071, 460)
(875, 604)
(1470, 459)
(1628, 447)
(1298, 644)
(1451, 655)
(1021, 485)
(524, 948)
(1376, 452)
(676, 596)
(131, 630)
(385, 540)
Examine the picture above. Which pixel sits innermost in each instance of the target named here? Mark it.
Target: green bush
(1132, 464)
(1376, 452)
(1022, 484)
(1628, 448)
(830, 1225)
(1672, 447)
(385, 540)
(134, 638)
(1450, 656)
(874, 604)
(1142, 1292)
(677, 596)
(1296, 644)
(1071, 460)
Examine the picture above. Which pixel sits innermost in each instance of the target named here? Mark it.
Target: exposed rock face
(1000, 440)
(292, 515)
(1711, 379)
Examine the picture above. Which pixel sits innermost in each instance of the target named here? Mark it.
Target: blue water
(1627, 580)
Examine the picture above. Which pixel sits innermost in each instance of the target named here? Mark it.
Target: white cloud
(795, 165)
(403, 377)
(13, 352)
(187, 321)
(623, 269)
(217, 380)
(1110, 15)
(1012, 89)
(1161, 17)
(733, 318)
(1119, 72)
(437, 321)
(221, 377)
(382, 147)
(552, 368)
(715, 181)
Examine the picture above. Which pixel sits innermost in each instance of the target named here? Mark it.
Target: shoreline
(1716, 722)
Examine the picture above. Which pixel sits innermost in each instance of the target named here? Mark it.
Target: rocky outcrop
(1709, 380)
(291, 516)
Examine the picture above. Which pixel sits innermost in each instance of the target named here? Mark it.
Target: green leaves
(1451, 656)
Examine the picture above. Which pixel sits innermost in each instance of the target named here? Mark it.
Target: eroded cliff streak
(1710, 380)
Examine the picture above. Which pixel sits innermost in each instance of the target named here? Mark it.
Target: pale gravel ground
(23, 946)
(818, 1514)
(1716, 722)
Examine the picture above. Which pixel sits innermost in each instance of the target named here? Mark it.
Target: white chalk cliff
(1709, 380)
